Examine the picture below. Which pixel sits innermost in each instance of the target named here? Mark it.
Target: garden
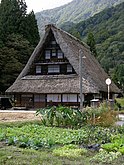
(64, 136)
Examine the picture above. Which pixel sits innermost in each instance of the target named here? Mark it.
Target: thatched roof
(93, 74)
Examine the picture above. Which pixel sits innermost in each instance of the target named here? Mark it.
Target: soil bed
(12, 116)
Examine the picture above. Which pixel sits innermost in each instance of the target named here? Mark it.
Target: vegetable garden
(70, 134)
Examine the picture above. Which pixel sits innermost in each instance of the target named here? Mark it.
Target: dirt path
(10, 116)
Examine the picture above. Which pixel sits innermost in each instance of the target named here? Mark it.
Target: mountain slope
(74, 12)
(108, 29)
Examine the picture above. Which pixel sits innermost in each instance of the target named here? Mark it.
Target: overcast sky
(39, 5)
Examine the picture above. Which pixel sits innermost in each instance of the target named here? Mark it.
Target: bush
(100, 116)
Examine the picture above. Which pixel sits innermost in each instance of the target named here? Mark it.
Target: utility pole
(80, 71)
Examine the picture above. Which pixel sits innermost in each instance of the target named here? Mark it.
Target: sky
(39, 5)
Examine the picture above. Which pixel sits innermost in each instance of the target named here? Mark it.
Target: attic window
(69, 68)
(60, 54)
(53, 69)
(38, 69)
(47, 54)
(53, 43)
(54, 53)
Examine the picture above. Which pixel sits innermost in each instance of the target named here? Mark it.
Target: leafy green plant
(105, 157)
(70, 151)
(61, 116)
(110, 146)
(117, 144)
(121, 150)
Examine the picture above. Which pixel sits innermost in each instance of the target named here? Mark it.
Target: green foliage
(110, 147)
(91, 42)
(61, 116)
(116, 145)
(107, 27)
(38, 136)
(105, 157)
(67, 143)
(18, 37)
(70, 151)
(70, 118)
(32, 34)
(121, 150)
(120, 101)
(102, 115)
(118, 76)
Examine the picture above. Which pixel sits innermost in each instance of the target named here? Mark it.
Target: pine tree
(14, 19)
(92, 44)
(18, 36)
(30, 30)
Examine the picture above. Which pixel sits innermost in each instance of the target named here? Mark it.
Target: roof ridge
(70, 35)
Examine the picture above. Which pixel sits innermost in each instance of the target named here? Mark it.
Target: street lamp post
(108, 82)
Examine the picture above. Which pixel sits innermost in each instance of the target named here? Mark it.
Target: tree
(12, 13)
(30, 30)
(14, 19)
(18, 37)
(75, 33)
(118, 76)
(91, 42)
(9, 68)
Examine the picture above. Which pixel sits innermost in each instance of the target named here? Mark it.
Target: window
(47, 54)
(39, 98)
(53, 53)
(53, 43)
(28, 96)
(38, 69)
(69, 68)
(53, 68)
(54, 97)
(69, 98)
(60, 54)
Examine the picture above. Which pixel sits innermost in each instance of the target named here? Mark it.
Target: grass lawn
(46, 140)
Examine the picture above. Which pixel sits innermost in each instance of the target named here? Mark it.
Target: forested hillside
(73, 12)
(18, 37)
(108, 30)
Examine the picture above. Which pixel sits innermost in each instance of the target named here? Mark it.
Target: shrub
(101, 116)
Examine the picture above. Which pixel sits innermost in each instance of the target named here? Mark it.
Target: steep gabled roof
(93, 74)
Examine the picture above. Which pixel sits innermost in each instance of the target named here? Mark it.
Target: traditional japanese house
(52, 74)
